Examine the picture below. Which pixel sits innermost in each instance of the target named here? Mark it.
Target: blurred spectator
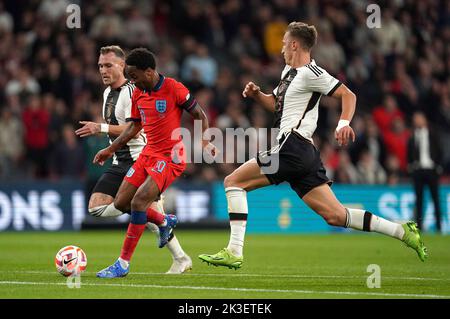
(36, 122)
(391, 37)
(393, 171)
(68, 159)
(346, 172)
(234, 116)
(200, 66)
(167, 63)
(385, 114)
(222, 88)
(107, 26)
(245, 43)
(370, 141)
(139, 31)
(370, 171)
(396, 140)
(6, 20)
(52, 10)
(262, 140)
(215, 36)
(357, 71)
(23, 85)
(273, 35)
(424, 79)
(330, 158)
(424, 159)
(193, 20)
(11, 144)
(402, 86)
(54, 80)
(328, 53)
(220, 46)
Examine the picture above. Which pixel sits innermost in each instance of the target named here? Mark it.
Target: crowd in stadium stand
(50, 81)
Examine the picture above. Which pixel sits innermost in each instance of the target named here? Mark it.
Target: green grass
(275, 266)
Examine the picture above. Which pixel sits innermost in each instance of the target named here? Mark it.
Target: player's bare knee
(228, 181)
(98, 199)
(231, 181)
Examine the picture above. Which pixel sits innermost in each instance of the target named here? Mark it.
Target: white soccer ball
(70, 261)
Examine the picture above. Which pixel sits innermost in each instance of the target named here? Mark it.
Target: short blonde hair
(114, 49)
(307, 34)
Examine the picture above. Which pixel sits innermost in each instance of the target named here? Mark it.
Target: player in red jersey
(157, 105)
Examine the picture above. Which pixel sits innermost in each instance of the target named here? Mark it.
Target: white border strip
(247, 275)
(350, 293)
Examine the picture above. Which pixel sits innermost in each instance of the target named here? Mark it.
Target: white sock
(105, 211)
(236, 243)
(175, 248)
(238, 212)
(173, 245)
(384, 226)
(153, 228)
(363, 220)
(124, 263)
(159, 208)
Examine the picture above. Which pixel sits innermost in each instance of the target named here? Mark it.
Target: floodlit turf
(275, 266)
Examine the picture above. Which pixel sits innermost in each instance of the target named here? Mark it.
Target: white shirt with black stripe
(116, 109)
(298, 96)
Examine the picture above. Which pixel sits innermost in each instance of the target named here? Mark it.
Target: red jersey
(160, 112)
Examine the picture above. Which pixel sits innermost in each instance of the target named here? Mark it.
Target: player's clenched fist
(251, 90)
(102, 156)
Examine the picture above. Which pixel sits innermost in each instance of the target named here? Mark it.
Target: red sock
(134, 233)
(154, 217)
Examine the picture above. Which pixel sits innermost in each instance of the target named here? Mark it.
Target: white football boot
(180, 265)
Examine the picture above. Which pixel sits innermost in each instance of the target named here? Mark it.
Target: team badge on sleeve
(130, 172)
(161, 106)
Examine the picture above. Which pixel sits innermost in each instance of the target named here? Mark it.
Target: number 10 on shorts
(159, 167)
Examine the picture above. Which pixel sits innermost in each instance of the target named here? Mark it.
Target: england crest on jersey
(161, 106)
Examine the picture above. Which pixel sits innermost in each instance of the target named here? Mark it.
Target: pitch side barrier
(54, 206)
(277, 209)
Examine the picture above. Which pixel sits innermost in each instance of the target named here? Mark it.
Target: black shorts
(111, 179)
(299, 164)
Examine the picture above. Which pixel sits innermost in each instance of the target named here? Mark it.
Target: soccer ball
(70, 260)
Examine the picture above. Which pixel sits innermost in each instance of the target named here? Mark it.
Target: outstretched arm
(348, 100)
(254, 91)
(132, 129)
(92, 128)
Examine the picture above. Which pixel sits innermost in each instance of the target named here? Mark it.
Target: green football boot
(413, 239)
(223, 258)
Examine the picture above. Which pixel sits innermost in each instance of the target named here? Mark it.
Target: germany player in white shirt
(295, 102)
(116, 109)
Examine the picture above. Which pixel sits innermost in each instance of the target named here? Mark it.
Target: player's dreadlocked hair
(141, 58)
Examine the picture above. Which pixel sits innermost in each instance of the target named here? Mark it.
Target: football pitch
(275, 266)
